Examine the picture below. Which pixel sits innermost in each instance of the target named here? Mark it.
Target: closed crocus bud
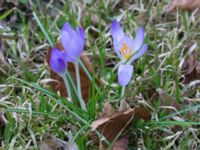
(58, 61)
(72, 41)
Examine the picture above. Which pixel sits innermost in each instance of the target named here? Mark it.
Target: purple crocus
(58, 61)
(128, 50)
(72, 41)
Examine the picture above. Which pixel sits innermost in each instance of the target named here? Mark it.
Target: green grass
(33, 110)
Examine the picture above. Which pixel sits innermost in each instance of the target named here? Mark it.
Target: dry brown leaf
(111, 126)
(121, 144)
(191, 66)
(182, 4)
(142, 113)
(58, 84)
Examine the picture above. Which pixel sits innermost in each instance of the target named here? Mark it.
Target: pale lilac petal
(139, 39)
(140, 53)
(124, 74)
(116, 31)
(117, 48)
(57, 63)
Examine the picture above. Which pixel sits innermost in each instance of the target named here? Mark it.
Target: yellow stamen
(126, 51)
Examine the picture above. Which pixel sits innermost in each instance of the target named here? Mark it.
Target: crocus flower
(58, 61)
(127, 49)
(72, 41)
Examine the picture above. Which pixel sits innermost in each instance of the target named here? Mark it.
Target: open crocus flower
(128, 50)
(72, 41)
(58, 61)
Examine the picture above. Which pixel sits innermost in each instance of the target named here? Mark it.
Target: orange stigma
(126, 51)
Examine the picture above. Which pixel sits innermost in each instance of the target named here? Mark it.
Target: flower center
(126, 51)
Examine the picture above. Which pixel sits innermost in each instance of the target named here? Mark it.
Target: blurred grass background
(23, 46)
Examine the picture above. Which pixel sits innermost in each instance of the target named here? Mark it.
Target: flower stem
(123, 91)
(122, 100)
(83, 106)
(67, 86)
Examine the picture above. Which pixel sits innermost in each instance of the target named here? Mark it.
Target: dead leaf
(59, 85)
(111, 126)
(182, 4)
(121, 144)
(53, 143)
(142, 113)
(191, 66)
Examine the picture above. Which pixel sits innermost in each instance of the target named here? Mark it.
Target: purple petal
(67, 27)
(57, 63)
(116, 31)
(124, 74)
(64, 56)
(140, 53)
(72, 41)
(81, 33)
(139, 39)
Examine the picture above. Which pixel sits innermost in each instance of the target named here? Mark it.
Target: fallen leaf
(111, 126)
(121, 144)
(53, 143)
(58, 84)
(142, 113)
(182, 4)
(191, 66)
